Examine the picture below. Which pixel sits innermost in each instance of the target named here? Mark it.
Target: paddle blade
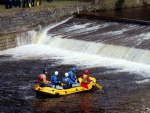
(98, 86)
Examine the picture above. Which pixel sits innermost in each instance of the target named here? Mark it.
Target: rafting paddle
(97, 85)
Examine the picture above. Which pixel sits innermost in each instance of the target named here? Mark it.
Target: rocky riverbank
(25, 20)
(16, 20)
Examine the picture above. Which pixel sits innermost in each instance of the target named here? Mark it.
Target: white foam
(81, 60)
(82, 53)
(143, 81)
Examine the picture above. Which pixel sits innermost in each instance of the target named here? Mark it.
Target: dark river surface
(141, 13)
(125, 78)
(120, 93)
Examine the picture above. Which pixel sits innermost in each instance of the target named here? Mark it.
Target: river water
(141, 13)
(116, 54)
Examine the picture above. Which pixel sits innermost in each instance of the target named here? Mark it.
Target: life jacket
(72, 75)
(65, 80)
(66, 83)
(85, 78)
(54, 79)
(42, 78)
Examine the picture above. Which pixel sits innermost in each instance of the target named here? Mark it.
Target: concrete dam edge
(11, 25)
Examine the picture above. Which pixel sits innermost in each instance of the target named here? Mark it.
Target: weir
(113, 19)
(92, 48)
(75, 40)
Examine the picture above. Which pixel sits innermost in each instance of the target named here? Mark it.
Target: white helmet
(66, 74)
(56, 72)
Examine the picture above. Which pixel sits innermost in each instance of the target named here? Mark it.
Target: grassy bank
(44, 5)
(102, 5)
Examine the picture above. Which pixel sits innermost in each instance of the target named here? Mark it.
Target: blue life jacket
(68, 82)
(54, 79)
(72, 76)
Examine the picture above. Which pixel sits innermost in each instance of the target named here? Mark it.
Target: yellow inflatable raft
(49, 91)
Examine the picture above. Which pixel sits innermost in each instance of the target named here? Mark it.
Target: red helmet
(86, 72)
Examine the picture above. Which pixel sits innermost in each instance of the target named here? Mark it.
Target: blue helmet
(73, 69)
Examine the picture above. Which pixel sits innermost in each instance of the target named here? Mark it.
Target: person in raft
(42, 79)
(54, 79)
(67, 81)
(72, 74)
(85, 79)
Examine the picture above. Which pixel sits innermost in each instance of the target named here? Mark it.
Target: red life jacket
(85, 80)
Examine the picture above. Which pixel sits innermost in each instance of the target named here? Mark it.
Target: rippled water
(121, 93)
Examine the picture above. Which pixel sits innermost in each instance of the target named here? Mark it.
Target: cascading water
(60, 44)
(25, 38)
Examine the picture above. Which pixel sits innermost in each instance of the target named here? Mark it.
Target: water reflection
(140, 13)
(80, 102)
(86, 103)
